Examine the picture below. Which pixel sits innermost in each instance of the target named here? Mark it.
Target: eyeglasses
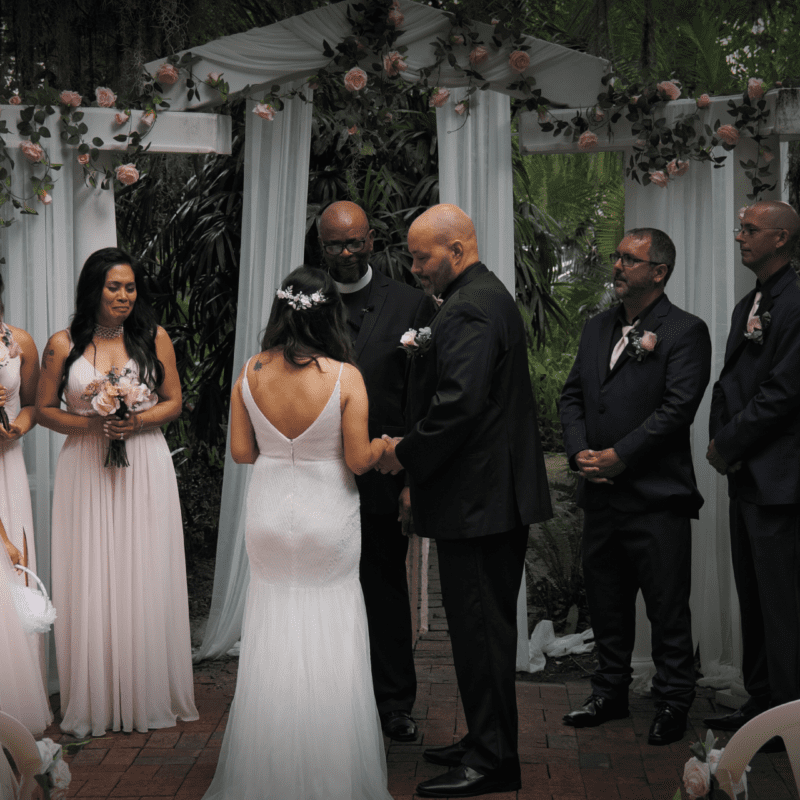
(749, 230)
(353, 246)
(628, 260)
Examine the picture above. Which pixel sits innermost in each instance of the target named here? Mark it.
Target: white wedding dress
(303, 724)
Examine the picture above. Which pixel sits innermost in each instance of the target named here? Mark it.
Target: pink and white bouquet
(700, 774)
(8, 349)
(114, 395)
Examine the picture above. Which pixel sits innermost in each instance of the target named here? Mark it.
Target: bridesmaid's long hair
(305, 334)
(140, 327)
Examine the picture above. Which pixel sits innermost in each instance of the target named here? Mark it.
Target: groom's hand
(388, 462)
(599, 466)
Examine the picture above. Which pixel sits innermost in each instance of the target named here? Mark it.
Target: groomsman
(379, 311)
(755, 441)
(477, 477)
(639, 376)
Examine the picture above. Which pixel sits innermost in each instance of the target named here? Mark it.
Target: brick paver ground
(612, 762)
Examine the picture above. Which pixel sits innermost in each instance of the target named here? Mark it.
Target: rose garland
(368, 102)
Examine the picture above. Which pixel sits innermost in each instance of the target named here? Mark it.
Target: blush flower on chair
(659, 178)
(148, 118)
(105, 97)
(677, 168)
(704, 101)
(668, 90)
(439, 97)
(478, 55)
(167, 74)
(127, 174)
(396, 15)
(519, 61)
(45, 198)
(121, 117)
(393, 64)
(33, 152)
(265, 111)
(755, 88)
(69, 98)
(83, 158)
(15, 100)
(728, 134)
(355, 79)
(461, 108)
(587, 141)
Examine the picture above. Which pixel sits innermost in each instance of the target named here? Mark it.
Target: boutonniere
(641, 344)
(415, 342)
(756, 327)
(438, 300)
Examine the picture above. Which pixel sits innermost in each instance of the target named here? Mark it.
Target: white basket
(35, 611)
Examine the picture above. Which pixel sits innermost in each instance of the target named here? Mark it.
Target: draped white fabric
(257, 59)
(277, 157)
(702, 283)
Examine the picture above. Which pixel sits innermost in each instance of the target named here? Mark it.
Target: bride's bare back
(292, 398)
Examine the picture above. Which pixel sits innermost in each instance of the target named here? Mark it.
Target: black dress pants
(480, 580)
(623, 553)
(385, 587)
(765, 549)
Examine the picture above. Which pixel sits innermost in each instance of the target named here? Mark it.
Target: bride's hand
(17, 558)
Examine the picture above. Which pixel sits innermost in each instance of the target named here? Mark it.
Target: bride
(303, 724)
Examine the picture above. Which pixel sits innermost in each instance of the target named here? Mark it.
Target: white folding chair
(783, 721)
(19, 741)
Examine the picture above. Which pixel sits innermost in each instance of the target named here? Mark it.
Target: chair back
(19, 741)
(783, 721)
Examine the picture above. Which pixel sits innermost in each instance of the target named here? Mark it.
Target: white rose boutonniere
(641, 344)
(415, 342)
(757, 327)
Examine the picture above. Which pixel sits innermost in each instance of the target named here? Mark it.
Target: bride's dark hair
(140, 327)
(304, 334)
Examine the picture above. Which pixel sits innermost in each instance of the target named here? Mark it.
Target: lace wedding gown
(119, 581)
(303, 724)
(22, 680)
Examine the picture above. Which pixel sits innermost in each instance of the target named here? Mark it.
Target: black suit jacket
(755, 406)
(643, 409)
(393, 308)
(473, 453)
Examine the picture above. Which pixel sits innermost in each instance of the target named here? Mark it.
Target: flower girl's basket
(35, 611)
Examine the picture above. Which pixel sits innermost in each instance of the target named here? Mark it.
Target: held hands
(599, 466)
(719, 463)
(388, 462)
(116, 428)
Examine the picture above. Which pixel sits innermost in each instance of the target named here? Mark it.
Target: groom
(477, 478)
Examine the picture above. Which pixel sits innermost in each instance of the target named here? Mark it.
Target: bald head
(767, 236)
(443, 244)
(344, 226)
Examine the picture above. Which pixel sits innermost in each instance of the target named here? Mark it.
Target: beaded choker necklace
(101, 332)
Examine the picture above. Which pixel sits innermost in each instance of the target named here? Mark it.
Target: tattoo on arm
(257, 366)
(46, 356)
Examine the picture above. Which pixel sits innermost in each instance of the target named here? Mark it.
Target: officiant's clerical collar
(349, 288)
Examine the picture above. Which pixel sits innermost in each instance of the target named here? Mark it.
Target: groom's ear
(457, 249)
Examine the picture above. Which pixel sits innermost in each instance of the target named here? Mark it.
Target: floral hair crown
(300, 301)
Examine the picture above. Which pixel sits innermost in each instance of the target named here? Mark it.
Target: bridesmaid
(119, 578)
(19, 373)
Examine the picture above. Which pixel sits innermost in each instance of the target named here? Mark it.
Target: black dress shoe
(735, 720)
(595, 711)
(668, 726)
(399, 726)
(448, 756)
(463, 781)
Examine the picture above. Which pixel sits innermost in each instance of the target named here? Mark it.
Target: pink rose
(668, 90)
(728, 134)
(478, 55)
(587, 141)
(352, 131)
(394, 64)
(696, 778)
(659, 178)
(599, 114)
(456, 39)
(33, 152)
(265, 111)
(396, 17)
(767, 155)
(753, 324)
(677, 168)
(70, 99)
(648, 341)
(14, 100)
(495, 21)
(213, 77)
(122, 118)
(755, 88)
(355, 80)
(519, 61)
(704, 101)
(167, 74)
(461, 109)
(105, 97)
(127, 174)
(388, 116)
(104, 404)
(640, 143)
(439, 97)
(148, 118)
(83, 158)
(409, 338)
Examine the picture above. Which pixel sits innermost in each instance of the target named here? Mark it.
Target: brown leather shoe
(595, 711)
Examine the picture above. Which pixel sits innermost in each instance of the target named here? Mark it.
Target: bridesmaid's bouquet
(116, 394)
(8, 349)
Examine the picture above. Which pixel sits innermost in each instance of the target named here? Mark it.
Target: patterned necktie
(620, 346)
